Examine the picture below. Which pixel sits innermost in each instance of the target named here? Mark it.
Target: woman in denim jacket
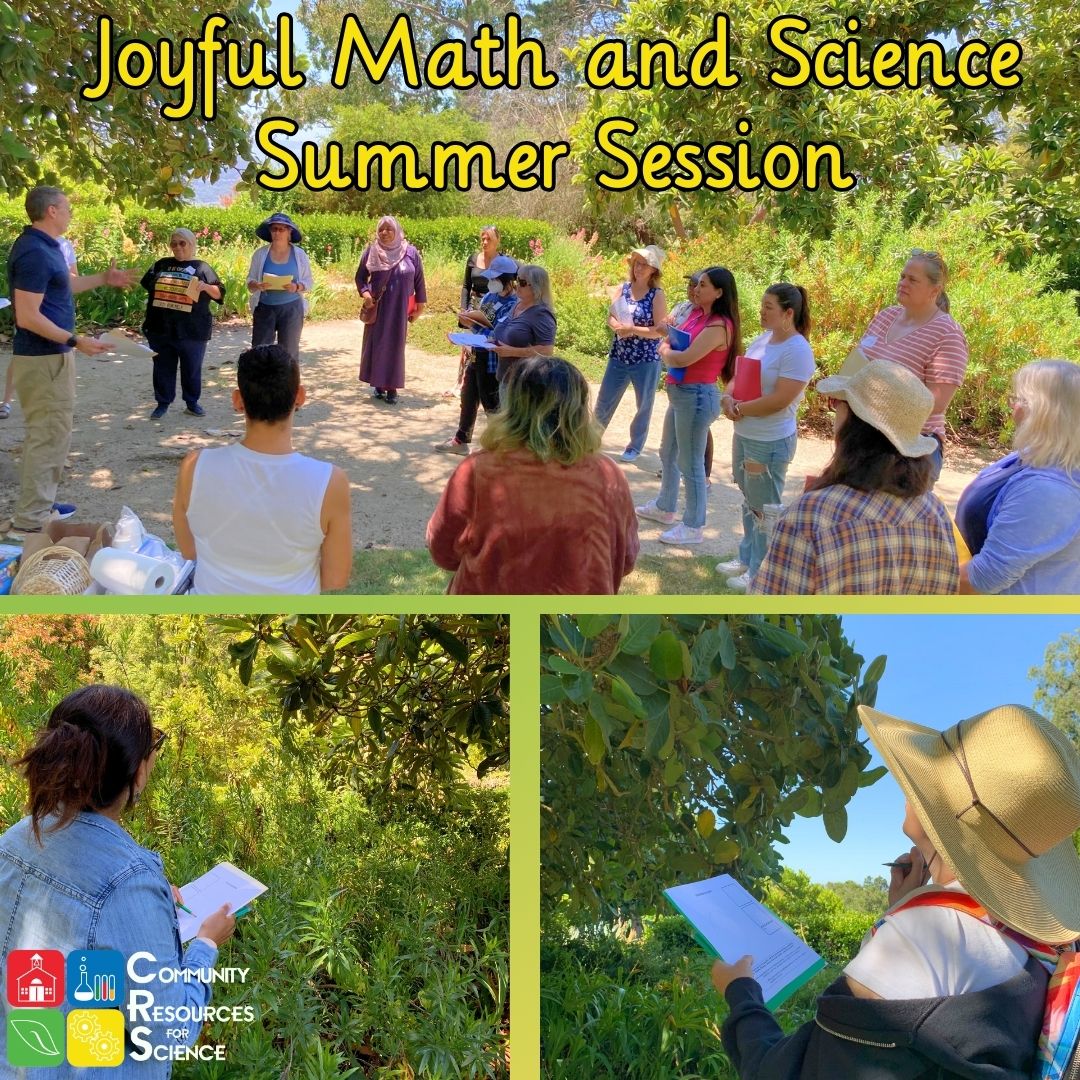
(72, 878)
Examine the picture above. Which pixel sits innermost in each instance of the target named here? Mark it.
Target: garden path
(119, 457)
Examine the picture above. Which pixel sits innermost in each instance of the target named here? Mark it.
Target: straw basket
(52, 571)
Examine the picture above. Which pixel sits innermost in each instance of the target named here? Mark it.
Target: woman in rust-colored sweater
(538, 509)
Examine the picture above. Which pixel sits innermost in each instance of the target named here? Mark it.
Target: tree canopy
(1057, 685)
(48, 52)
(935, 148)
(680, 746)
(386, 703)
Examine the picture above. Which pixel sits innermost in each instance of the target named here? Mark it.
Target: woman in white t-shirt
(952, 981)
(764, 418)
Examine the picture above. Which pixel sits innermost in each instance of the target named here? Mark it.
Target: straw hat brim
(839, 386)
(1042, 899)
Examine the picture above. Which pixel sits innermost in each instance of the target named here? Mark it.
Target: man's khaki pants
(45, 386)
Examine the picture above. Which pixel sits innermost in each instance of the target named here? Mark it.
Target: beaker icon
(83, 992)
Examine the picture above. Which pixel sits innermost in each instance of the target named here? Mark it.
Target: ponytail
(87, 754)
(793, 298)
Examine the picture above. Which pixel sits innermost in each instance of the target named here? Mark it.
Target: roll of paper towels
(127, 573)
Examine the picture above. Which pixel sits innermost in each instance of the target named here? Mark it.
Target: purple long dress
(382, 357)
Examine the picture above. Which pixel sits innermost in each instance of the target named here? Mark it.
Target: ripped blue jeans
(760, 469)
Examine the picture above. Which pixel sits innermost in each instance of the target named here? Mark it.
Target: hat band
(960, 757)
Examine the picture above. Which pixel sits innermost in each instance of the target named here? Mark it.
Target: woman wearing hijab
(72, 877)
(390, 280)
(179, 322)
(278, 278)
(952, 982)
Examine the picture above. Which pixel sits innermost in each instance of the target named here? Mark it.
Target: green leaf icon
(36, 1035)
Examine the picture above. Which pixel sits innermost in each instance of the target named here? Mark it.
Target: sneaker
(195, 410)
(731, 567)
(5, 409)
(630, 454)
(740, 583)
(452, 446)
(681, 534)
(62, 511)
(651, 512)
(159, 412)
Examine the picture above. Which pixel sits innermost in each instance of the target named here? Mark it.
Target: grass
(379, 571)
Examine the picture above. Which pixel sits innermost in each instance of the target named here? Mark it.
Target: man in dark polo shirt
(42, 294)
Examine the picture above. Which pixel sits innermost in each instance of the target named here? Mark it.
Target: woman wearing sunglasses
(71, 876)
(530, 328)
(179, 321)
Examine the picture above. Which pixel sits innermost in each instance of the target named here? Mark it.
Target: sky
(941, 669)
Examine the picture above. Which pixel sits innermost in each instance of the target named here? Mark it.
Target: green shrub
(642, 1009)
(818, 916)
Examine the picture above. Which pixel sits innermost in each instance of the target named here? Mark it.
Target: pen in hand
(182, 908)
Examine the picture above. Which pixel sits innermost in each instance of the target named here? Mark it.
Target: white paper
(225, 884)
(853, 363)
(4, 302)
(121, 343)
(732, 923)
(470, 341)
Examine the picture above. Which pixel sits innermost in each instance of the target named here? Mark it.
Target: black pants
(283, 321)
(169, 353)
(480, 387)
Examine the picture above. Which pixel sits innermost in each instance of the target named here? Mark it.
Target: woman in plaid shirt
(870, 524)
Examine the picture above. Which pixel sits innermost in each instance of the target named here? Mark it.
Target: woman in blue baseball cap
(481, 383)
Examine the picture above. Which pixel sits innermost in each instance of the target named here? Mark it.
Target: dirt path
(120, 457)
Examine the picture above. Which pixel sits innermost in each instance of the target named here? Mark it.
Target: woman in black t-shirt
(179, 321)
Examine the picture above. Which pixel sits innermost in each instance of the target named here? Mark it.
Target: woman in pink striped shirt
(919, 333)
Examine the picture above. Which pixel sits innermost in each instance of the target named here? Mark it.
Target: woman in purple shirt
(1021, 516)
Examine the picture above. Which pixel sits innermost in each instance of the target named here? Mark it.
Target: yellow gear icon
(85, 1028)
(95, 1037)
(106, 1047)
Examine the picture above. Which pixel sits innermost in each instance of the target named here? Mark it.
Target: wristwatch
(72, 342)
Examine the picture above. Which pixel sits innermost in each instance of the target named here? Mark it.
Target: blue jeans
(645, 378)
(692, 407)
(759, 486)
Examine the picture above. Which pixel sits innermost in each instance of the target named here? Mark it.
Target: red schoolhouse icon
(35, 978)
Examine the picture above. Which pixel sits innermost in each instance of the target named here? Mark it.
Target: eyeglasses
(159, 739)
(1017, 402)
(521, 281)
(960, 757)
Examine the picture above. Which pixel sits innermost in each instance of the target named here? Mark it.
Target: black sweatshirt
(990, 1034)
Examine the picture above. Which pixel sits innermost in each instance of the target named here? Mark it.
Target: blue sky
(941, 668)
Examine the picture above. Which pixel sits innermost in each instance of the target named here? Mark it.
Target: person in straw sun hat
(949, 983)
(869, 523)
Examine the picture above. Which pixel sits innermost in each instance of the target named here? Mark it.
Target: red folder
(747, 386)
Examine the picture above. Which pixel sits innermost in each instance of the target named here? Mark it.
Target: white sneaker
(681, 534)
(651, 512)
(740, 583)
(730, 567)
